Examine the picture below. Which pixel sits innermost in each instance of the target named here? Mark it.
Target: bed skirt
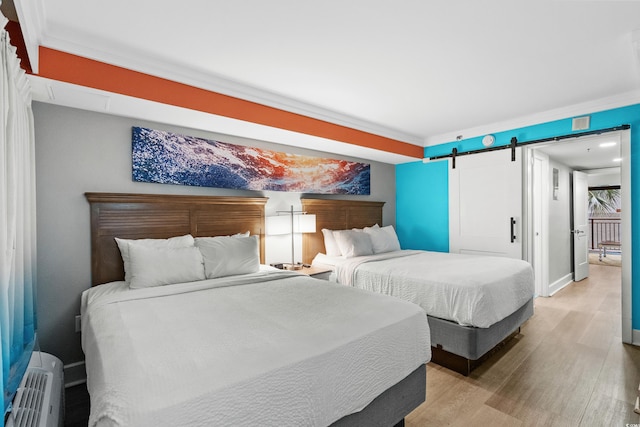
(390, 407)
(461, 348)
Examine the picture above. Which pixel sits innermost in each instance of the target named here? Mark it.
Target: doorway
(605, 223)
(595, 154)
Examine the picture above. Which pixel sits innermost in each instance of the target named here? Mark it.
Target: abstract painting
(169, 158)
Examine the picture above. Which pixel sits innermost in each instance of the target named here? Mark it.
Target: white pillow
(383, 239)
(152, 266)
(363, 229)
(330, 245)
(228, 255)
(173, 242)
(353, 243)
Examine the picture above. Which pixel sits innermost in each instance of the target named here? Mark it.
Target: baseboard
(635, 337)
(74, 374)
(560, 283)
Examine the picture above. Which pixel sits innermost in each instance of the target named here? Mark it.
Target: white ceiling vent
(78, 97)
(581, 123)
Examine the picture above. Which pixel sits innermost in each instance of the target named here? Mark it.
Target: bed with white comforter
(473, 302)
(470, 290)
(267, 348)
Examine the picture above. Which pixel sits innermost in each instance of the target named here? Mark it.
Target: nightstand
(322, 273)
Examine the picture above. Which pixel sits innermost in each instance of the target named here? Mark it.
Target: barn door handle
(512, 222)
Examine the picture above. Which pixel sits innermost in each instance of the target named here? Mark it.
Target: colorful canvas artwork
(169, 158)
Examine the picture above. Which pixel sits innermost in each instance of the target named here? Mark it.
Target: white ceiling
(418, 71)
(587, 153)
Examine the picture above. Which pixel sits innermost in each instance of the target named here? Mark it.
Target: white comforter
(267, 349)
(468, 289)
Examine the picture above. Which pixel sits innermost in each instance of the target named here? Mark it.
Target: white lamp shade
(281, 224)
(304, 223)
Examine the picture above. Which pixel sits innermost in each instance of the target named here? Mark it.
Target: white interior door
(485, 204)
(580, 226)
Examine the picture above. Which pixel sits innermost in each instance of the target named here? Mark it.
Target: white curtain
(17, 220)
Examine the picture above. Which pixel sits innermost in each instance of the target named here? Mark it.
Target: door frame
(625, 238)
(624, 137)
(540, 208)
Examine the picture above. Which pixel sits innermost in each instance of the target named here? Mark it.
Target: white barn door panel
(485, 204)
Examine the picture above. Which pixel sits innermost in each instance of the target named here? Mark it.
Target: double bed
(473, 303)
(261, 347)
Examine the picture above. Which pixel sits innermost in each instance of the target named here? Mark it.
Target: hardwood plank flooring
(76, 402)
(568, 366)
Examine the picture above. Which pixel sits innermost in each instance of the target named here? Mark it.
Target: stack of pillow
(156, 262)
(360, 241)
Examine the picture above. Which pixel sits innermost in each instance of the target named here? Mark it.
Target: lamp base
(292, 266)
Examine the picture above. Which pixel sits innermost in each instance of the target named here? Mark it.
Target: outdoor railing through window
(603, 230)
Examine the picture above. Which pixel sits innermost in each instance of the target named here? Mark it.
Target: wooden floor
(77, 405)
(567, 367)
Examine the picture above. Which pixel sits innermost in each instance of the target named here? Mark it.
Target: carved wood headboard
(336, 215)
(155, 216)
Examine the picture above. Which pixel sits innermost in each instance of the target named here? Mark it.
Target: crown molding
(137, 61)
(74, 96)
(589, 107)
(32, 15)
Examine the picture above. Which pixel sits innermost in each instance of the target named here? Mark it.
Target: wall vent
(39, 401)
(581, 123)
(29, 399)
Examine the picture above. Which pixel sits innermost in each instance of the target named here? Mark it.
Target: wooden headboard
(336, 215)
(155, 216)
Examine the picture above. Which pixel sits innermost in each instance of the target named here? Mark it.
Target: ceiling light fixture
(607, 144)
(617, 159)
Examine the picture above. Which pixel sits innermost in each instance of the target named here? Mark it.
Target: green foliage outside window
(604, 202)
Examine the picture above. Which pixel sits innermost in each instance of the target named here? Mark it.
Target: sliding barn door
(485, 204)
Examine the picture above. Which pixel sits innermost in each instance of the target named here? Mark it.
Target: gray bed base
(390, 407)
(462, 348)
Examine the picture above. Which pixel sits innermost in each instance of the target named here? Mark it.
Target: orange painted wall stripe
(65, 67)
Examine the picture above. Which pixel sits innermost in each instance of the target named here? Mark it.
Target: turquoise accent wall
(422, 204)
(422, 188)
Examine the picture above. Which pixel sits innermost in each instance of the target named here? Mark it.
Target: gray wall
(604, 177)
(80, 151)
(560, 262)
